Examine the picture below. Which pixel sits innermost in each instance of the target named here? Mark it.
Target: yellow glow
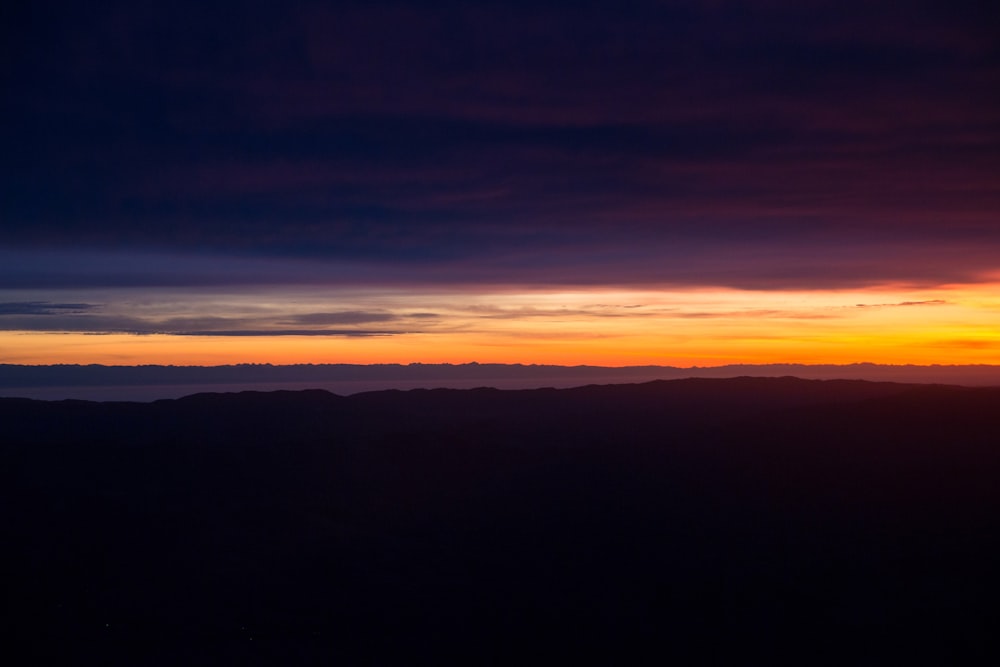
(951, 325)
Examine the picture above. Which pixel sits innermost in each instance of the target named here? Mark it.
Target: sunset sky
(608, 183)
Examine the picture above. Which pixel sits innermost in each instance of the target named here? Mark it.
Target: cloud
(112, 325)
(760, 145)
(82, 323)
(44, 308)
(585, 260)
(343, 317)
(965, 343)
(929, 302)
(30, 316)
(524, 312)
(288, 332)
(754, 313)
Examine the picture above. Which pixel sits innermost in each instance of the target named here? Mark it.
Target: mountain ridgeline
(701, 518)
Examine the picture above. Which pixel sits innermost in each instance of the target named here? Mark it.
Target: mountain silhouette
(707, 520)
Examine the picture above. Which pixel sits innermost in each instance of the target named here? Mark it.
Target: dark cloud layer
(490, 141)
(42, 316)
(43, 308)
(142, 327)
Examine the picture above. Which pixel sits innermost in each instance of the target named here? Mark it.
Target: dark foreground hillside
(738, 521)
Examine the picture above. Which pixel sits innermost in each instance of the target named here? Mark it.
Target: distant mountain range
(700, 521)
(97, 382)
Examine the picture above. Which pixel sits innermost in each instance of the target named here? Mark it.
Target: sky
(607, 183)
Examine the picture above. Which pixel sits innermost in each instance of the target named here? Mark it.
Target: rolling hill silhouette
(704, 519)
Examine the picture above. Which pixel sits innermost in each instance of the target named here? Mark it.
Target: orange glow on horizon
(955, 325)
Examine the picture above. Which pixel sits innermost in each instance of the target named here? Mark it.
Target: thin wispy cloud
(287, 332)
(929, 302)
(343, 317)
